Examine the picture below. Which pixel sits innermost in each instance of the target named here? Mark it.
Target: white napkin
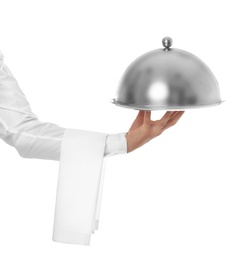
(79, 187)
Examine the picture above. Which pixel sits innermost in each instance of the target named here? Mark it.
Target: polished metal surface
(167, 79)
(167, 42)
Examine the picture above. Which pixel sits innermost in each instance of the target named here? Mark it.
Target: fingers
(140, 114)
(169, 118)
(176, 117)
(140, 117)
(138, 120)
(165, 118)
(173, 113)
(147, 115)
(173, 120)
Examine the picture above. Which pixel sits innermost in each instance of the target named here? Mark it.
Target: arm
(35, 139)
(42, 140)
(21, 128)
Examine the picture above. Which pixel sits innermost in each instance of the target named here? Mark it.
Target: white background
(184, 195)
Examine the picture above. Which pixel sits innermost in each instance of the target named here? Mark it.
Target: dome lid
(167, 79)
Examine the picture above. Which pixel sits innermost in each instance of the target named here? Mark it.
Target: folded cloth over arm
(79, 186)
(81, 154)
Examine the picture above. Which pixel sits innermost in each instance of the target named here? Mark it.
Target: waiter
(79, 152)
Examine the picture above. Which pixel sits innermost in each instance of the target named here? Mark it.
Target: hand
(144, 129)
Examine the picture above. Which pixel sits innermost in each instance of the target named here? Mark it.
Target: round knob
(167, 42)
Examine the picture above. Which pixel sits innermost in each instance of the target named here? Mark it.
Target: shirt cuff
(116, 144)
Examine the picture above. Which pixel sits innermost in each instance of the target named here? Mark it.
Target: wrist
(128, 142)
(135, 139)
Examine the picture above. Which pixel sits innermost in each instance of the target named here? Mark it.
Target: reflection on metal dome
(167, 79)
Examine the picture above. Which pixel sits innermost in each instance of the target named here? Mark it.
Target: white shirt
(80, 153)
(21, 128)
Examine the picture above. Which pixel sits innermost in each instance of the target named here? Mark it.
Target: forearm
(42, 140)
(21, 128)
(31, 137)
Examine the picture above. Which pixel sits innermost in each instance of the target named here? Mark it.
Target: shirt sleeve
(32, 138)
